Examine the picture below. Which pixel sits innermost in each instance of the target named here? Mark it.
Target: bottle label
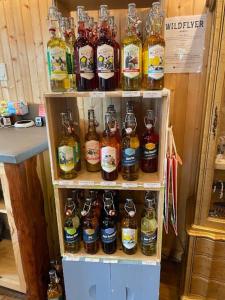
(108, 159)
(86, 62)
(105, 61)
(155, 67)
(148, 238)
(150, 151)
(129, 157)
(92, 152)
(66, 158)
(57, 63)
(129, 237)
(131, 61)
(108, 235)
(90, 235)
(71, 235)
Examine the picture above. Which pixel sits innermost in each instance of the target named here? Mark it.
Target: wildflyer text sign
(185, 38)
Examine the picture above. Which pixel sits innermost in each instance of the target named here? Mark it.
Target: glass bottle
(71, 32)
(71, 227)
(129, 228)
(149, 145)
(154, 51)
(96, 203)
(149, 226)
(73, 128)
(92, 145)
(105, 54)
(84, 56)
(90, 228)
(57, 64)
(54, 291)
(114, 124)
(108, 226)
(130, 149)
(66, 151)
(131, 63)
(109, 152)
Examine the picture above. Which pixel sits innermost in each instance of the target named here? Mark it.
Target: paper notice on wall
(185, 39)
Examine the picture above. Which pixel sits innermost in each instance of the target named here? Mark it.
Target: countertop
(19, 144)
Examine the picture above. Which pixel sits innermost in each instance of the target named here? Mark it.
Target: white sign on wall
(185, 38)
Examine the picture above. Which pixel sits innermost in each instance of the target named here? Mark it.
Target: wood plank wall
(23, 38)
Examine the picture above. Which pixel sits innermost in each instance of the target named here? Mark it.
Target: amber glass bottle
(130, 149)
(154, 51)
(92, 145)
(109, 152)
(105, 55)
(149, 145)
(54, 288)
(84, 56)
(90, 228)
(129, 228)
(96, 203)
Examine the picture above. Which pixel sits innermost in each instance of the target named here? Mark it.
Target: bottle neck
(81, 29)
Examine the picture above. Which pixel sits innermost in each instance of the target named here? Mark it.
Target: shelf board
(118, 257)
(93, 180)
(2, 207)
(117, 94)
(8, 273)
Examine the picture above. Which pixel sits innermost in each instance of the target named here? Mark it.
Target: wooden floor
(169, 286)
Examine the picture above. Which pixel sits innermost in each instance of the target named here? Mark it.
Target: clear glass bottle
(105, 54)
(149, 145)
(109, 152)
(92, 145)
(54, 291)
(130, 149)
(131, 63)
(66, 151)
(90, 228)
(129, 228)
(154, 51)
(71, 227)
(84, 56)
(149, 226)
(108, 226)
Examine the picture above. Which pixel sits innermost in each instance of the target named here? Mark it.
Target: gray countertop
(19, 144)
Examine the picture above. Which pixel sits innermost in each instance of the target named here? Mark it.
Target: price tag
(68, 257)
(108, 183)
(149, 262)
(131, 94)
(89, 259)
(152, 94)
(97, 94)
(110, 261)
(152, 185)
(86, 182)
(129, 185)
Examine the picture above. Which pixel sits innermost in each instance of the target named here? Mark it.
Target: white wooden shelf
(2, 207)
(111, 94)
(93, 180)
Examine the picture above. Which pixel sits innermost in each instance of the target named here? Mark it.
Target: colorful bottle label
(90, 235)
(86, 62)
(129, 157)
(66, 158)
(71, 235)
(108, 159)
(154, 62)
(150, 151)
(129, 237)
(108, 235)
(92, 152)
(105, 61)
(57, 65)
(148, 238)
(131, 61)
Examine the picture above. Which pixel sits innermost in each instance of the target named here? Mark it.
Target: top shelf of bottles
(111, 94)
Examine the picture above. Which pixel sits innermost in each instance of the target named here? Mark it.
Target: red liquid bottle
(150, 145)
(84, 56)
(105, 55)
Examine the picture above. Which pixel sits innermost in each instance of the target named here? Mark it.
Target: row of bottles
(113, 151)
(98, 217)
(95, 60)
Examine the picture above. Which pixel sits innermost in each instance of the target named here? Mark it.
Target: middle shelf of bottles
(80, 106)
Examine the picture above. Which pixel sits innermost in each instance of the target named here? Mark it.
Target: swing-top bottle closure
(149, 119)
(69, 207)
(87, 206)
(130, 123)
(130, 207)
(109, 207)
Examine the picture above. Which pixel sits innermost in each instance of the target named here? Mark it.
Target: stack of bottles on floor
(95, 60)
(111, 152)
(97, 217)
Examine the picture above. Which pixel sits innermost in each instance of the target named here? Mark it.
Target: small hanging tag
(131, 213)
(174, 194)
